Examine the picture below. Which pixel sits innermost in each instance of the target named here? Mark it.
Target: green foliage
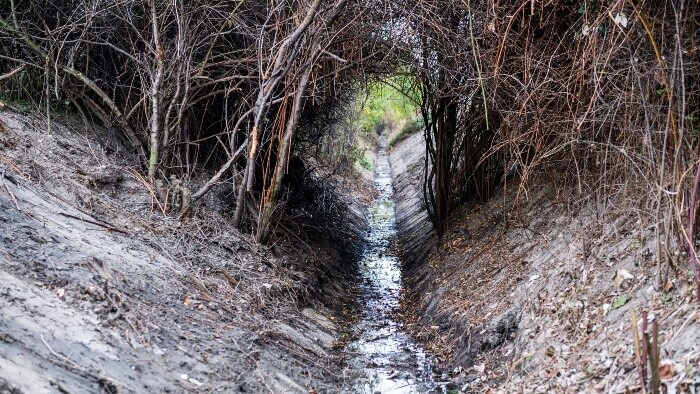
(388, 103)
(619, 302)
(26, 107)
(358, 156)
(410, 127)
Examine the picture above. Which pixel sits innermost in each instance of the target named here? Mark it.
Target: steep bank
(537, 296)
(103, 292)
(416, 234)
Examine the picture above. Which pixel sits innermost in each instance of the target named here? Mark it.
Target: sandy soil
(102, 292)
(538, 297)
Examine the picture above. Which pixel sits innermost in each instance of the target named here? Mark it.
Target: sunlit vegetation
(384, 108)
(388, 104)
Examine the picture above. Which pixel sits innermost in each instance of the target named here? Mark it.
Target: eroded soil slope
(100, 291)
(538, 296)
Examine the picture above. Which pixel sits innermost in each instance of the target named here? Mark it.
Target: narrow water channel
(391, 360)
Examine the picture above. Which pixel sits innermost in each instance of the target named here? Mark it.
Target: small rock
(466, 380)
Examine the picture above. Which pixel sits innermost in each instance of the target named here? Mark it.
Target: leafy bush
(409, 128)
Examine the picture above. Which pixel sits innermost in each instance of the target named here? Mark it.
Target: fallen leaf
(668, 286)
(621, 276)
(480, 368)
(549, 352)
(491, 27)
(586, 30)
(619, 302)
(621, 19)
(187, 301)
(666, 370)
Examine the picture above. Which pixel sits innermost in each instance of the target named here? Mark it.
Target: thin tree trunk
(155, 97)
(204, 189)
(282, 160)
(280, 67)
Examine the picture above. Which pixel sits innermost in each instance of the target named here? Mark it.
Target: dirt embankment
(538, 296)
(101, 292)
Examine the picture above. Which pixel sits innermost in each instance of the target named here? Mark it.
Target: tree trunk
(285, 55)
(272, 195)
(155, 97)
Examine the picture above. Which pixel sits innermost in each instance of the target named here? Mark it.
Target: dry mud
(100, 292)
(537, 297)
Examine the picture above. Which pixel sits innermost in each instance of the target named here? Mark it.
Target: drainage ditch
(391, 360)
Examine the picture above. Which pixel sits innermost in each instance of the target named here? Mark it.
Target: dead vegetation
(214, 86)
(603, 97)
(598, 100)
(88, 258)
(540, 298)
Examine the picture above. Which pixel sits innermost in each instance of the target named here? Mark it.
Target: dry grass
(600, 97)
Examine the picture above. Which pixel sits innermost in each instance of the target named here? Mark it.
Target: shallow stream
(391, 360)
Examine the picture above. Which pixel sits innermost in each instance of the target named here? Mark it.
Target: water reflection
(392, 361)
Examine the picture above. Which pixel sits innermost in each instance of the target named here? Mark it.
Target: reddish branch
(690, 236)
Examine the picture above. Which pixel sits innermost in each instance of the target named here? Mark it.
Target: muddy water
(391, 360)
